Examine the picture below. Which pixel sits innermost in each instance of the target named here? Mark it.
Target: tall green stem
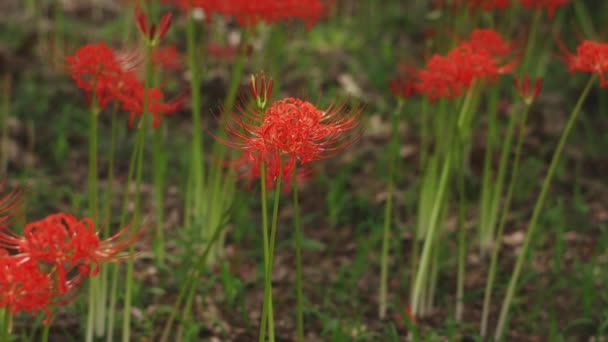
(94, 300)
(265, 234)
(503, 217)
(298, 243)
(388, 211)
(141, 136)
(462, 249)
(197, 168)
(423, 267)
(536, 213)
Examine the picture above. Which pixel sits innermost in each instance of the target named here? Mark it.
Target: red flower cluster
(479, 58)
(550, 5)
(248, 13)
(53, 257)
(104, 76)
(590, 57)
(287, 132)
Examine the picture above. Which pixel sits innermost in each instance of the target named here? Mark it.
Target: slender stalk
(159, 174)
(141, 136)
(218, 179)
(531, 44)
(94, 300)
(197, 169)
(273, 235)
(430, 235)
(388, 211)
(488, 189)
(462, 248)
(503, 219)
(536, 213)
(6, 324)
(298, 242)
(44, 337)
(264, 201)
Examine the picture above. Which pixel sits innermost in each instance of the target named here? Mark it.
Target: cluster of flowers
(104, 76)
(43, 267)
(285, 133)
(248, 13)
(482, 57)
(489, 5)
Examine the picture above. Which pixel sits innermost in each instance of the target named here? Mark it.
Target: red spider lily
(149, 31)
(64, 243)
(302, 132)
(523, 87)
(590, 57)
(96, 70)
(480, 58)
(249, 13)
(133, 103)
(287, 132)
(550, 5)
(405, 85)
(167, 57)
(23, 286)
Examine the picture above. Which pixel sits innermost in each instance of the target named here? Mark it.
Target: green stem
(273, 235)
(159, 174)
(388, 211)
(530, 46)
(264, 201)
(488, 190)
(141, 137)
(536, 213)
(219, 198)
(462, 249)
(503, 218)
(423, 267)
(298, 242)
(197, 168)
(44, 337)
(6, 324)
(92, 192)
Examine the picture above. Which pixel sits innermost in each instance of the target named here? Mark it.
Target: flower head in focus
(66, 245)
(288, 132)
